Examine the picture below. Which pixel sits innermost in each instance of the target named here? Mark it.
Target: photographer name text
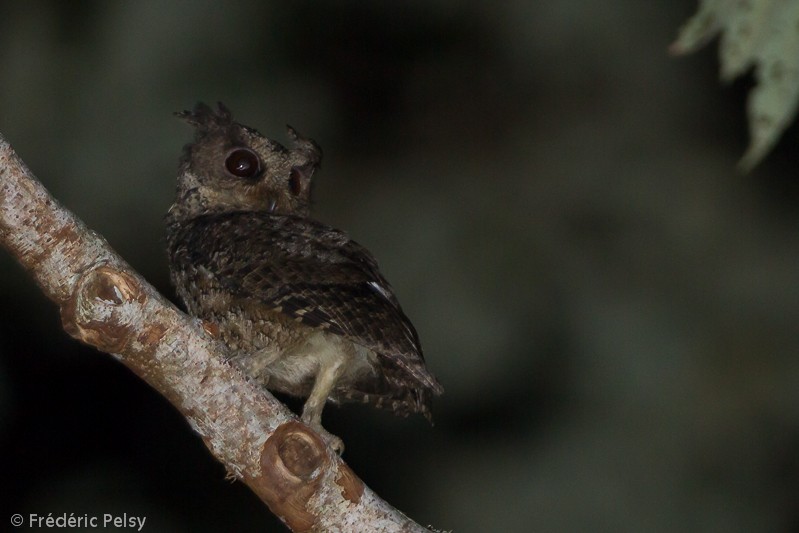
(71, 520)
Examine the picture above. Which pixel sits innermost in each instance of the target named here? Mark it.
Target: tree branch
(106, 304)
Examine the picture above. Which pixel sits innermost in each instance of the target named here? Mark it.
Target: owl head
(231, 167)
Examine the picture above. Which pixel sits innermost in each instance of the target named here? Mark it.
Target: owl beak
(272, 205)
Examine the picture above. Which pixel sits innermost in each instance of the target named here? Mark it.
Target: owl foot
(312, 410)
(331, 440)
(335, 443)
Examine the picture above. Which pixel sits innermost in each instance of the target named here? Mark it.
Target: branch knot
(97, 312)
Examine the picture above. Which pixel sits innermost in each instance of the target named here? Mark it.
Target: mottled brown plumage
(304, 308)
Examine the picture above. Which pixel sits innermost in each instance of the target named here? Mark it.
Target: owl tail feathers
(410, 402)
(402, 398)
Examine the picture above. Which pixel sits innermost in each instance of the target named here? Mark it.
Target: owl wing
(314, 274)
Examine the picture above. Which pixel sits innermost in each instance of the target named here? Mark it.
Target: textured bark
(106, 304)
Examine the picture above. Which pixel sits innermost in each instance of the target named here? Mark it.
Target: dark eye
(243, 162)
(295, 182)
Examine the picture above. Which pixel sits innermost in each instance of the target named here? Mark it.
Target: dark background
(611, 307)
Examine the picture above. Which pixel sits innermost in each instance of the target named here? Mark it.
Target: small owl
(304, 309)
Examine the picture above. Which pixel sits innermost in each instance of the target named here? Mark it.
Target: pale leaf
(763, 34)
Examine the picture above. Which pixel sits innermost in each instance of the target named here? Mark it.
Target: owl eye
(295, 182)
(243, 162)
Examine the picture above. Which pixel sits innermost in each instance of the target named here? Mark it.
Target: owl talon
(335, 443)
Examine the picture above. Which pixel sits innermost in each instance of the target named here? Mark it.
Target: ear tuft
(205, 119)
(307, 147)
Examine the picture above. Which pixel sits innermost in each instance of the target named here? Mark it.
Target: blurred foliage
(762, 35)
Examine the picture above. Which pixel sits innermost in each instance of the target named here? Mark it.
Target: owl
(303, 308)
